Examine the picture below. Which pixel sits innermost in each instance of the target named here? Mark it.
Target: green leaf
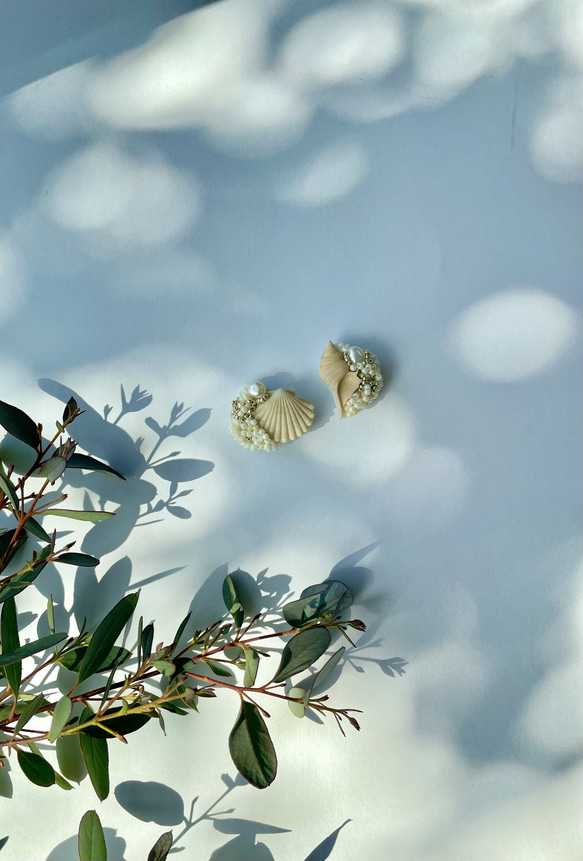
(91, 838)
(161, 848)
(167, 668)
(320, 677)
(72, 660)
(232, 601)
(219, 670)
(146, 640)
(84, 461)
(61, 715)
(19, 583)
(301, 652)
(251, 666)
(298, 709)
(70, 412)
(10, 643)
(91, 516)
(17, 423)
(96, 758)
(124, 724)
(105, 636)
(60, 781)
(34, 527)
(8, 488)
(51, 468)
(37, 769)
(180, 632)
(51, 615)
(324, 599)
(36, 705)
(81, 560)
(251, 747)
(41, 645)
(5, 539)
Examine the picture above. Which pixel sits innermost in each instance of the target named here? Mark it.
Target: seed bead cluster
(368, 370)
(243, 424)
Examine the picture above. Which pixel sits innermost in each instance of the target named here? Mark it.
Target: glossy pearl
(356, 355)
(256, 390)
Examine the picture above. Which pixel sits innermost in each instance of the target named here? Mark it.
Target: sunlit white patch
(121, 200)
(53, 108)
(557, 139)
(328, 176)
(513, 335)
(346, 42)
(13, 281)
(452, 51)
(367, 449)
(184, 73)
(555, 702)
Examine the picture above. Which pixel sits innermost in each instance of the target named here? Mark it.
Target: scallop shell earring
(353, 374)
(265, 420)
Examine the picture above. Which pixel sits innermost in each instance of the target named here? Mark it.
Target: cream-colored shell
(335, 372)
(284, 416)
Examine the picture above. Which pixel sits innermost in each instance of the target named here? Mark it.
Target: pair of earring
(265, 420)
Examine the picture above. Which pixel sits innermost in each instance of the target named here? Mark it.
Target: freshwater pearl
(355, 354)
(256, 389)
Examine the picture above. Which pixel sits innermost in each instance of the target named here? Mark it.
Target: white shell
(335, 372)
(284, 416)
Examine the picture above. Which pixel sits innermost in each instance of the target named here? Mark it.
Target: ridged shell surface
(285, 416)
(335, 373)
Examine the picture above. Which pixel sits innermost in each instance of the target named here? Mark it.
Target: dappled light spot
(327, 176)
(124, 201)
(452, 51)
(552, 721)
(556, 143)
(53, 108)
(13, 282)
(346, 42)
(368, 449)
(513, 335)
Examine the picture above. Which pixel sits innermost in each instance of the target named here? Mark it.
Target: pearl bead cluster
(367, 368)
(243, 424)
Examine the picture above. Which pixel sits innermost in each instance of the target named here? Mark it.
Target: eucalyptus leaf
(123, 725)
(52, 468)
(34, 527)
(219, 669)
(60, 781)
(85, 461)
(161, 848)
(90, 516)
(33, 707)
(96, 758)
(298, 709)
(322, 600)
(232, 601)
(10, 643)
(81, 560)
(105, 636)
(36, 768)
(181, 629)
(320, 677)
(251, 747)
(8, 488)
(72, 659)
(29, 649)
(6, 539)
(91, 838)
(19, 424)
(301, 652)
(251, 666)
(61, 714)
(146, 640)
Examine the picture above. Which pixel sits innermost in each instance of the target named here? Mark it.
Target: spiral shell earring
(265, 420)
(353, 374)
